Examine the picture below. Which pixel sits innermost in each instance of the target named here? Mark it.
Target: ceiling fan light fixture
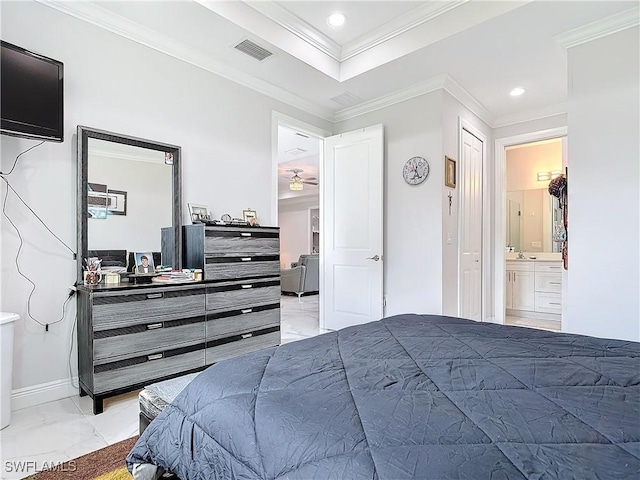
(296, 183)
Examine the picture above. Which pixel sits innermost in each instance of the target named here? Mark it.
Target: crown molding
(545, 112)
(468, 100)
(298, 27)
(107, 20)
(441, 82)
(318, 40)
(447, 83)
(601, 28)
(253, 20)
(416, 90)
(398, 26)
(309, 200)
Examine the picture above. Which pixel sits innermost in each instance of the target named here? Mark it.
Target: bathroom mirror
(128, 190)
(531, 215)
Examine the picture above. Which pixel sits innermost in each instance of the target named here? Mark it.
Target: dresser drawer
(249, 343)
(246, 294)
(145, 306)
(548, 302)
(235, 266)
(238, 321)
(143, 369)
(242, 241)
(549, 267)
(127, 342)
(548, 282)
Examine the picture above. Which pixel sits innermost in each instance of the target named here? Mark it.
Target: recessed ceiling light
(336, 19)
(516, 92)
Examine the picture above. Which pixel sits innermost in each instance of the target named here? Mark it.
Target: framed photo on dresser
(198, 213)
(144, 263)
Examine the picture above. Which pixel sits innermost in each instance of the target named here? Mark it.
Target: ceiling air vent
(347, 99)
(295, 151)
(253, 50)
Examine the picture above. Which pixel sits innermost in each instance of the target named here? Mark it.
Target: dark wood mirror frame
(84, 134)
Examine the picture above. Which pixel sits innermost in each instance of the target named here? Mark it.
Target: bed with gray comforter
(410, 396)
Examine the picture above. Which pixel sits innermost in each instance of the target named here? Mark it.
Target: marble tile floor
(63, 430)
(66, 429)
(299, 318)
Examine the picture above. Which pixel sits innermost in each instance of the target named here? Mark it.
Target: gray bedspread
(410, 396)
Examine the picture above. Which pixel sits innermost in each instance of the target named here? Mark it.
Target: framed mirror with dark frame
(129, 199)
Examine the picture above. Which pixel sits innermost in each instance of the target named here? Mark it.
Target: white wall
(412, 214)
(115, 84)
(524, 163)
(604, 187)
(294, 221)
(532, 218)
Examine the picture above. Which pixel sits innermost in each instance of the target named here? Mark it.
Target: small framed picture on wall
(450, 172)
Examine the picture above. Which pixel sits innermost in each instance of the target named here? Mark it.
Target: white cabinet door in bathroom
(523, 297)
(508, 303)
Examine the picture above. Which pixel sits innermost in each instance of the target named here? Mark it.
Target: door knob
(375, 258)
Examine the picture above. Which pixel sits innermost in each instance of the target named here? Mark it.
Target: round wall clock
(416, 170)
(226, 217)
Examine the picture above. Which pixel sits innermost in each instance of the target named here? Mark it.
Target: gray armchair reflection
(303, 277)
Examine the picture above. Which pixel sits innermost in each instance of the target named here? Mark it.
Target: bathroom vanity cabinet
(534, 288)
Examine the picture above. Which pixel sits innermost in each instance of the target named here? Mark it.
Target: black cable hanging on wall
(4, 177)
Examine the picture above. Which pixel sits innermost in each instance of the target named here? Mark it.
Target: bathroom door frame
(500, 200)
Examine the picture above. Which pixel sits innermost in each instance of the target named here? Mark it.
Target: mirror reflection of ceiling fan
(297, 182)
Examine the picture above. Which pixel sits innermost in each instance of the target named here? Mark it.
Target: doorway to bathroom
(531, 269)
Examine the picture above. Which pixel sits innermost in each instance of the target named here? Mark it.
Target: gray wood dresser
(132, 335)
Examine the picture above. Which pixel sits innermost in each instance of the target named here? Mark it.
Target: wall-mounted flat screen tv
(31, 94)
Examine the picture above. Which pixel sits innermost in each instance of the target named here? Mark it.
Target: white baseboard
(43, 393)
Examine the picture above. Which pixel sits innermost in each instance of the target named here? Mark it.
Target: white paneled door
(352, 200)
(470, 285)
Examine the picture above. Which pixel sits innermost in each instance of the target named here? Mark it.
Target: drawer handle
(246, 259)
(247, 335)
(247, 310)
(247, 286)
(555, 283)
(156, 356)
(554, 303)
(151, 296)
(245, 234)
(153, 326)
(554, 267)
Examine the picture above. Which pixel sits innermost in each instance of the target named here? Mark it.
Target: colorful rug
(104, 464)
